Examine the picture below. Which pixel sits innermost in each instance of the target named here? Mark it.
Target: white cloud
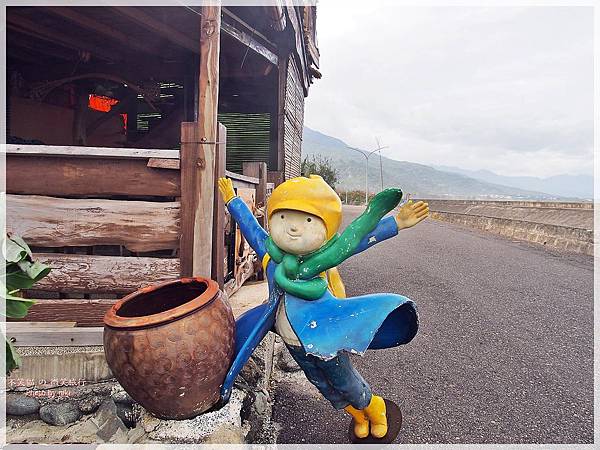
(505, 89)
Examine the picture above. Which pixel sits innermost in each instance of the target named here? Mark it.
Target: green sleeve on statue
(344, 247)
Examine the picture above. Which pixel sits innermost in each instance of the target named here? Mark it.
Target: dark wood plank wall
(293, 120)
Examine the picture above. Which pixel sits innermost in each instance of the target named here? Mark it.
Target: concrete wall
(562, 226)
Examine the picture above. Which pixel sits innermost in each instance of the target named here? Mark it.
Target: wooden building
(119, 120)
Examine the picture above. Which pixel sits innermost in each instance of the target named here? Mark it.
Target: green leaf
(36, 270)
(17, 307)
(13, 360)
(14, 252)
(18, 280)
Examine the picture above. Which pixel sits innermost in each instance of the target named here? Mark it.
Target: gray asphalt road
(504, 353)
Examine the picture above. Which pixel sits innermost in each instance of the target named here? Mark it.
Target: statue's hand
(411, 214)
(226, 189)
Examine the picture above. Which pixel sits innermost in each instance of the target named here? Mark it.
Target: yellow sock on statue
(376, 414)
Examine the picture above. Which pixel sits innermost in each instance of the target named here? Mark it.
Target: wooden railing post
(197, 202)
(198, 148)
(258, 170)
(218, 247)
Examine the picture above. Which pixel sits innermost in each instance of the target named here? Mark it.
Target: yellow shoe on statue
(361, 422)
(377, 416)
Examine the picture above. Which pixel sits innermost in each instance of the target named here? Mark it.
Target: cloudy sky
(504, 89)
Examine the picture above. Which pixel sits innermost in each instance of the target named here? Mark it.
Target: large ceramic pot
(170, 346)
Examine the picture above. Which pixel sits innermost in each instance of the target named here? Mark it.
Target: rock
(106, 411)
(122, 397)
(21, 405)
(60, 413)
(251, 373)
(38, 432)
(88, 405)
(110, 427)
(135, 435)
(285, 361)
(226, 435)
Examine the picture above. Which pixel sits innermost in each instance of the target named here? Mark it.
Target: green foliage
(320, 165)
(355, 197)
(21, 273)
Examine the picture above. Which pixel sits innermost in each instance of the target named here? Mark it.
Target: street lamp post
(367, 155)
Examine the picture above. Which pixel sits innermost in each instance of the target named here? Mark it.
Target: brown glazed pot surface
(170, 346)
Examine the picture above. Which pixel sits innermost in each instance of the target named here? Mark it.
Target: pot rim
(112, 319)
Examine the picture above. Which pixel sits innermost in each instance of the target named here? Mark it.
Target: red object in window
(101, 103)
(124, 117)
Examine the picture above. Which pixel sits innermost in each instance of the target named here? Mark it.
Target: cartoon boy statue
(307, 304)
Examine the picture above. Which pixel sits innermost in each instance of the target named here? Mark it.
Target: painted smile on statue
(297, 232)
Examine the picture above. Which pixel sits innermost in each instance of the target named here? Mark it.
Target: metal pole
(380, 163)
(367, 180)
(366, 155)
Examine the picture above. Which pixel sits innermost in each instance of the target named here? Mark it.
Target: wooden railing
(111, 220)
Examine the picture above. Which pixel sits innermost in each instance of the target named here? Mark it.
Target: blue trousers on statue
(336, 379)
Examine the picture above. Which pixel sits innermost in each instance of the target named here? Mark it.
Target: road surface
(504, 352)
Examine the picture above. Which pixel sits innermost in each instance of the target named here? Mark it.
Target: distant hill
(418, 179)
(580, 186)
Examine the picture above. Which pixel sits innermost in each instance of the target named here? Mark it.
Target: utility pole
(367, 155)
(380, 163)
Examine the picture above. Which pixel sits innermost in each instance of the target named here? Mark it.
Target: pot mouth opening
(162, 299)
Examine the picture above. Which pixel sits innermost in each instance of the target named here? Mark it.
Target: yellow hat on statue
(310, 195)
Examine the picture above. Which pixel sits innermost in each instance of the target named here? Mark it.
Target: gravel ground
(504, 353)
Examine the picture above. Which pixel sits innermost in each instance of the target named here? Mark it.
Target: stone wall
(62, 410)
(562, 226)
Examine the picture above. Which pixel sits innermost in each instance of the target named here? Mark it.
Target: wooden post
(198, 141)
(218, 249)
(258, 170)
(197, 201)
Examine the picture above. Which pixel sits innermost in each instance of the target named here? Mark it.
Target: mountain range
(424, 181)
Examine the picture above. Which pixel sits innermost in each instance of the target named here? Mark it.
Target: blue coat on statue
(327, 325)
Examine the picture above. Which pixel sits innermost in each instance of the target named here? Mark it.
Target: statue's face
(296, 232)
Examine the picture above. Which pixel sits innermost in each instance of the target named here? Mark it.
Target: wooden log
(86, 313)
(218, 245)
(60, 222)
(89, 152)
(114, 274)
(76, 176)
(55, 336)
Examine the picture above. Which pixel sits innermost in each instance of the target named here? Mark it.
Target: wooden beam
(105, 30)
(249, 41)
(171, 34)
(89, 152)
(218, 256)
(103, 274)
(54, 336)
(22, 24)
(239, 177)
(97, 177)
(163, 163)
(86, 313)
(235, 19)
(60, 222)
